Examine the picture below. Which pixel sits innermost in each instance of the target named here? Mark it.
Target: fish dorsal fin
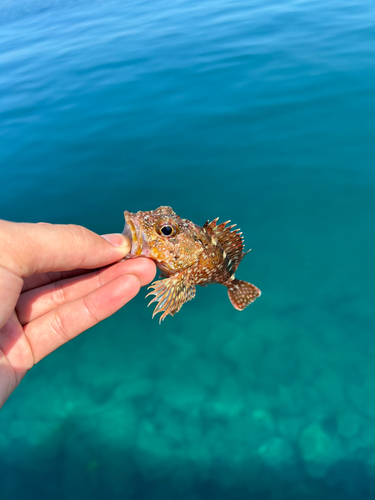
(230, 240)
(171, 293)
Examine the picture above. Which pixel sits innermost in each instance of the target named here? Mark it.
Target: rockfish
(188, 255)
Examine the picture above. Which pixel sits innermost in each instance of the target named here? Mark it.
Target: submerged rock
(263, 420)
(319, 449)
(243, 351)
(277, 453)
(181, 388)
(348, 424)
(289, 427)
(228, 401)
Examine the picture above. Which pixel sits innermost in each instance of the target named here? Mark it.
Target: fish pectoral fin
(171, 293)
(174, 311)
(241, 293)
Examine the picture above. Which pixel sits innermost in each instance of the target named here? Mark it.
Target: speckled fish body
(188, 255)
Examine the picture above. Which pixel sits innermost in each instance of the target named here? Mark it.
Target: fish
(188, 255)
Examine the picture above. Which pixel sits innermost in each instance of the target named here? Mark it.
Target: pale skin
(56, 281)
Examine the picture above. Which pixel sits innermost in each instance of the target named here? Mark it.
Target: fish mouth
(134, 232)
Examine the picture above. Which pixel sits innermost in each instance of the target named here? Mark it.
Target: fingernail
(117, 240)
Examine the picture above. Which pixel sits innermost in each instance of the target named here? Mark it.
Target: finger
(37, 302)
(47, 333)
(16, 348)
(27, 249)
(41, 279)
(10, 289)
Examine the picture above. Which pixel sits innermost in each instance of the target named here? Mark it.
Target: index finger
(41, 279)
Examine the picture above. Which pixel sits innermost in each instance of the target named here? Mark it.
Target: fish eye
(166, 229)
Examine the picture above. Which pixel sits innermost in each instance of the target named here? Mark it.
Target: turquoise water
(258, 112)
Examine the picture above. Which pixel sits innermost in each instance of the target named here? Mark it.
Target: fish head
(164, 237)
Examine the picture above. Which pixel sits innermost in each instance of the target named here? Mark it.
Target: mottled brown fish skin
(188, 255)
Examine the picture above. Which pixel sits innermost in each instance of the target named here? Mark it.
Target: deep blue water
(258, 112)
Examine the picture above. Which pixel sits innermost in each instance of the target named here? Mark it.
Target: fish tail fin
(241, 293)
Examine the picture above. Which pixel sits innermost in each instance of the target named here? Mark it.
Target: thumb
(26, 249)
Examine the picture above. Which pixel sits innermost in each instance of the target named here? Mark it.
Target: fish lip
(127, 231)
(133, 231)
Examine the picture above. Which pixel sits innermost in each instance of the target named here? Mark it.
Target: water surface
(259, 112)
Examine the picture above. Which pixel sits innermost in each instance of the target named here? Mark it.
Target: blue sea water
(261, 112)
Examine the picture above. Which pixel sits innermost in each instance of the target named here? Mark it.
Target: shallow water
(257, 112)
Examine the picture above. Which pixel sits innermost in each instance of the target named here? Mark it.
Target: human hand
(55, 282)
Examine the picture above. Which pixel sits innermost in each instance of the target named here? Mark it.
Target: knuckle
(101, 279)
(90, 310)
(79, 234)
(57, 325)
(80, 237)
(58, 293)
